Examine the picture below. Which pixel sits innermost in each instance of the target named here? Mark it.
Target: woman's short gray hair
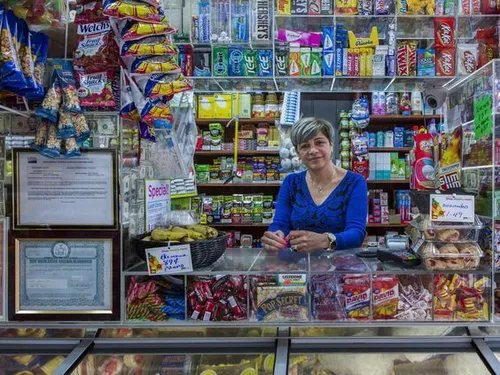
(307, 127)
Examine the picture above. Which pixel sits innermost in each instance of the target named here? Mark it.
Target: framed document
(4, 230)
(73, 277)
(65, 193)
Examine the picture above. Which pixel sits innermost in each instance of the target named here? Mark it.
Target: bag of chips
(65, 128)
(96, 90)
(128, 111)
(70, 148)
(39, 49)
(11, 76)
(133, 10)
(51, 102)
(133, 30)
(81, 128)
(52, 147)
(88, 11)
(26, 59)
(162, 84)
(152, 64)
(153, 45)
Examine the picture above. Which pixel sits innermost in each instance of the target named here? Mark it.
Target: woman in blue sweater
(324, 207)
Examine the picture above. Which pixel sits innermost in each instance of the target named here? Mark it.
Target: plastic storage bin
(448, 256)
(447, 232)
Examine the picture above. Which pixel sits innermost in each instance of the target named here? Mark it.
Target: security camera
(434, 96)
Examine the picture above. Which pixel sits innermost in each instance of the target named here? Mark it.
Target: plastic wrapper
(39, 48)
(26, 57)
(96, 89)
(357, 292)
(449, 256)
(70, 148)
(328, 302)
(153, 64)
(96, 49)
(82, 130)
(447, 232)
(63, 69)
(52, 147)
(186, 133)
(51, 103)
(385, 297)
(133, 10)
(41, 136)
(487, 45)
(444, 32)
(178, 218)
(89, 11)
(153, 45)
(461, 297)
(415, 297)
(147, 131)
(221, 298)
(40, 14)
(65, 128)
(467, 58)
(128, 111)
(129, 30)
(10, 70)
(162, 84)
(424, 173)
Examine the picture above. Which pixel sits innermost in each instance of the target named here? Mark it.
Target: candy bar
(220, 61)
(445, 62)
(294, 59)
(305, 61)
(235, 62)
(444, 32)
(307, 39)
(327, 38)
(281, 60)
(327, 67)
(467, 58)
(316, 62)
(249, 63)
(426, 65)
(339, 55)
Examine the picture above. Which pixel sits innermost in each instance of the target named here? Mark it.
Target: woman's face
(316, 152)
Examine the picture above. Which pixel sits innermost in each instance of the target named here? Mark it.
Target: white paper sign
(157, 202)
(452, 208)
(169, 260)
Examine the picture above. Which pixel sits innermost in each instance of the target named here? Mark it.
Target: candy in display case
(461, 297)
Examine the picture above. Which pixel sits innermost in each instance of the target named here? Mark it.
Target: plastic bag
(41, 136)
(162, 84)
(133, 10)
(88, 11)
(10, 71)
(70, 148)
(52, 147)
(186, 132)
(40, 14)
(129, 30)
(180, 218)
(63, 69)
(26, 58)
(153, 64)
(96, 49)
(39, 49)
(82, 129)
(128, 111)
(152, 45)
(65, 128)
(51, 102)
(96, 89)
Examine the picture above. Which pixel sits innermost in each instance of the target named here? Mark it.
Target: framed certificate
(73, 277)
(65, 193)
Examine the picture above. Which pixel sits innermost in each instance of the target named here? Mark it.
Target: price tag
(169, 260)
(452, 208)
(483, 122)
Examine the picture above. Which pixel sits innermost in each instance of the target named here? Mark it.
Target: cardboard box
(223, 106)
(244, 109)
(206, 104)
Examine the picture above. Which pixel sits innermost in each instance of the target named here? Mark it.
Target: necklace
(319, 188)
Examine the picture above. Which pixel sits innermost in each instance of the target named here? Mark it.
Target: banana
(191, 233)
(207, 231)
(161, 234)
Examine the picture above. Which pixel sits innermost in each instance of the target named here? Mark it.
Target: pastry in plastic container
(447, 231)
(448, 256)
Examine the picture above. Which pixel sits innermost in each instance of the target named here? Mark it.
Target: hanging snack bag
(88, 11)
(64, 73)
(133, 10)
(51, 102)
(81, 128)
(128, 110)
(11, 74)
(39, 49)
(425, 176)
(147, 131)
(129, 30)
(96, 49)
(153, 45)
(70, 148)
(26, 58)
(153, 64)
(161, 84)
(65, 128)
(96, 89)
(41, 136)
(52, 147)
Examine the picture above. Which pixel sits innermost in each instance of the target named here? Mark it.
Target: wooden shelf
(375, 225)
(389, 149)
(206, 121)
(240, 153)
(401, 119)
(388, 182)
(242, 185)
(239, 225)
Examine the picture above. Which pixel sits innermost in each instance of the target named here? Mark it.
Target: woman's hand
(306, 241)
(274, 241)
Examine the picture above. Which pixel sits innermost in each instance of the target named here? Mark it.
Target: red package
(444, 32)
(489, 7)
(412, 58)
(356, 292)
(403, 67)
(96, 49)
(89, 11)
(385, 297)
(445, 62)
(96, 89)
(360, 165)
(487, 50)
(476, 7)
(424, 172)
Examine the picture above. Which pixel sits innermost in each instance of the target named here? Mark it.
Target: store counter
(255, 285)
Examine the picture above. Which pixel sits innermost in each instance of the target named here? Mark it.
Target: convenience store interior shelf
(262, 225)
(389, 149)
(205, 121)
(237, 184)
(388, 182)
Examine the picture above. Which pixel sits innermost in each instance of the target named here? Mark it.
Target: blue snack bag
(51, 102)
(39, 49)
(52, 147)
(11, 76)
(63, 69)
(328, 66)
(236, 62)
(265, 63)
(71, 148)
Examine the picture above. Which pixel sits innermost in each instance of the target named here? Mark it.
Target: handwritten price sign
(452, 208)
(483, 123)
(169, 260)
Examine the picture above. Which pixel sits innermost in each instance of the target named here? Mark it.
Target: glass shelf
(304, 84)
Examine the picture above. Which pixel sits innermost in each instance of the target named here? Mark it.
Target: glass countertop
(191, 332)
(29, 364)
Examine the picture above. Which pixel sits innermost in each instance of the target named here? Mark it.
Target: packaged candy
(357, 294)
(235, 62)
(39, 14)
(402, 6)
(426, 65)
(328, 68)
(133, 10)
(419, 7)
(415, 297)
(96, 49)
(153, 64)
(89, 11)
(488, 7)
(265, 63)
(52, 147)
(63, 69)
(365, 7)
(51, 102)
(202, 57)
(249, 63)
(65, 128)
(361, 112)
(345, 7)
(405, 104)
(383, 7)
(327, 301)
(10, 71)
(360, 165)
(445, 62)
(153, 45)
(464, 7)
(304, 38)
(133, 30)
(204, 24)
(281, 60)
(96, 89)
(221, 61)
(41, 136)
(147, 131)
(487, 46)
(406, 58)
(316, 62)
(70, 148)
(363, 42)
(467, 58)
(327, 38)
(444, 32)
(385, 297)
(450, 159)
(161, 84)
(425, 176)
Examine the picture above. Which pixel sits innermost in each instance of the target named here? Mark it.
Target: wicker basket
(203, 252)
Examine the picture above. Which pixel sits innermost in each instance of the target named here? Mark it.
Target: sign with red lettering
(157, 202)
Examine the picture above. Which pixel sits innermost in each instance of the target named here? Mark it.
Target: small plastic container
(447, 232)
(441, 256)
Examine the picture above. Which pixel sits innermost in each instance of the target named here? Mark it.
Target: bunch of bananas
(187, 233)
